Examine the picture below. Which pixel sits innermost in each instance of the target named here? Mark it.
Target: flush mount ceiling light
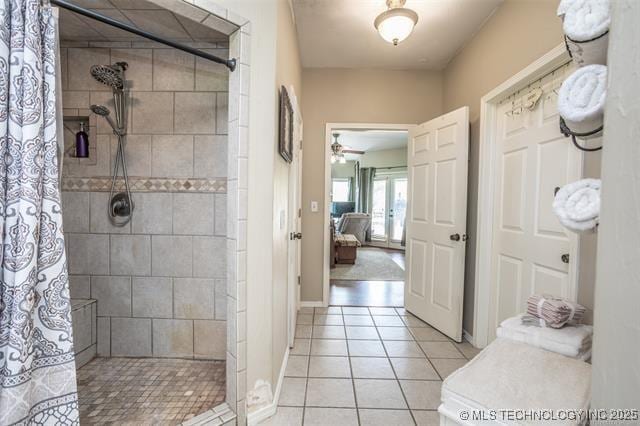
(396, 24)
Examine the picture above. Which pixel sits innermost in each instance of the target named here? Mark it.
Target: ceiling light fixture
(397, 23)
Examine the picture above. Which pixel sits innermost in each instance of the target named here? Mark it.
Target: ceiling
(372, 140)
(340, 34)
(141, 14)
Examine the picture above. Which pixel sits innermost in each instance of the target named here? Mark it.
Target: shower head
(100, 110)
(111, 75)
(104, 112)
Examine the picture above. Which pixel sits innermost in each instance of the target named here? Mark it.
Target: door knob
(565, 258)
(454, 237)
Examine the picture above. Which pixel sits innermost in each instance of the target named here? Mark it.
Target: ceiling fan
(338, 151)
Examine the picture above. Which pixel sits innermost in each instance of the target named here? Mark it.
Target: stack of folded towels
(552, 324)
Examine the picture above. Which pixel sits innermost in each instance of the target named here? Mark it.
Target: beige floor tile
(330, 416)
(350, 310)
(426, 418)
(329, 347)
(358, 320)
(292, 392)
(370, 417)
(387, 321)
(303, 331)
(383, 311)
(444, 367)
(362, 333)
(297, 366)
(374, 393)
(371, 368)
(334, 310)
(403, 349)
(304, 319)
(285, 416)
(412, 321)
(414, 369)
(301, 347)
(425, 334)
(320, 319)
(306, 310)
(328, 332)
(467, 349)
(336, 393)
(329, 366)
(440, 350)
(402, 311)
(422, 395)
(395, 333)
(366, 348)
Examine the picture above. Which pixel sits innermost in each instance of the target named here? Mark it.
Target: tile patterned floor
(141, 391)
(366, 366)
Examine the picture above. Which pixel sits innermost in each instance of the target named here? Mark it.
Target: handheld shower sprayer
(121, 205)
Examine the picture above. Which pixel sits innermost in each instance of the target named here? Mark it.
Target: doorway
(367, 182)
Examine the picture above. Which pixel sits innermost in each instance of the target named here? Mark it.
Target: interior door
(436, 221)
(532, 252)
(294, 221)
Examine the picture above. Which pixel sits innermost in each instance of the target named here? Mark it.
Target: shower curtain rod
(229, 63)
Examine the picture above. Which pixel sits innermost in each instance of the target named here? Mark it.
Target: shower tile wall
(159, 281)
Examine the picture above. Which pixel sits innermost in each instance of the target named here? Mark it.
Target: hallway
(366, 366)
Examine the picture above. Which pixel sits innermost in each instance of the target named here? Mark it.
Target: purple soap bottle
(82, 143)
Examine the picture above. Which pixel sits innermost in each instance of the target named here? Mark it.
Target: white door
(436, 221)
(389, 207)
(294, 221)
(532, 252)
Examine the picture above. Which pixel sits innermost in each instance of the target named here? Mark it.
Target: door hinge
(299, 212)
(298, 279)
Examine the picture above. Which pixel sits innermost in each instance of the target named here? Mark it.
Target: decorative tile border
(143, 184)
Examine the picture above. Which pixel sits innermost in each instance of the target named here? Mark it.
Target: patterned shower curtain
(37, 367)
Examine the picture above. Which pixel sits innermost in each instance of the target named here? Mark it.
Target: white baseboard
(312, 304)
(261, 414)
(468, 337)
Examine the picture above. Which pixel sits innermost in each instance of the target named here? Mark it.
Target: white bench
(521, 379)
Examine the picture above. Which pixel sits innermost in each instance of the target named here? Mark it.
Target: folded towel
(572, 341)
(577, 205)
(581, 100)
(554, 311)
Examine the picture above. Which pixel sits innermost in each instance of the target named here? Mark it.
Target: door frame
(329, 128)
(486, 188)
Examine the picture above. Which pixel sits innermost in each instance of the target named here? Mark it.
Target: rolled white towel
(577, 205)
(586, 26)
(581, 100)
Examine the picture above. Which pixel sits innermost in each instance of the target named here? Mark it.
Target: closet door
(532, 252)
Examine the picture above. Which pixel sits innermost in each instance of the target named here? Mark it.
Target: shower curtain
(37, 367)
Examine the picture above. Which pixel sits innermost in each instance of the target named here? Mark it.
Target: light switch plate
(314, 207)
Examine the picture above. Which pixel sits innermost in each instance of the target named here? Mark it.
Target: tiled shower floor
(141, 391)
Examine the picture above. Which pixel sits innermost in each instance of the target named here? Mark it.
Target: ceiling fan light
(343, 160)
(395, 25)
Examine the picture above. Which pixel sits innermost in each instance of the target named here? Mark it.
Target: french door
(389, 206)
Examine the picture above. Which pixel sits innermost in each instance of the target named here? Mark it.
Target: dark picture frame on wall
(285, 143)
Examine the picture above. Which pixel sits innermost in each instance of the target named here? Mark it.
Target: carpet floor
(372, 264)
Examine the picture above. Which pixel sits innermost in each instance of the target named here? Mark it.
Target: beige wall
(288, 74)
(517, 34)
(385, 158)
(357, 96)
